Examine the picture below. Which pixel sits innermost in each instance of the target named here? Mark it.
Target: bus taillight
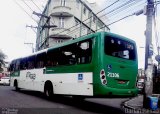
(103, 77)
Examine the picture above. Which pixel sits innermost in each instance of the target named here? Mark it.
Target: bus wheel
(48, 90)
(16, 85)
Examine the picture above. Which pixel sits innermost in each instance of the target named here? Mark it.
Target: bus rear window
(119, 48)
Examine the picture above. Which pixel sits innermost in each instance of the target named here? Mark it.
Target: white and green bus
(98, 64)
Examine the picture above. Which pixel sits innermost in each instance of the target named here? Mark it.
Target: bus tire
(48, 90)
(16, 85)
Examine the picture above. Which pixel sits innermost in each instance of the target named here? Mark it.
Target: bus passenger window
(23, 64)
(17, 65)
(85, 52)
(68, 55)
(11, 68)
(41, 60)
(31, 62)
(52, 58)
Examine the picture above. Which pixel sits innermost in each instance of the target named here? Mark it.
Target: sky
(14, 33)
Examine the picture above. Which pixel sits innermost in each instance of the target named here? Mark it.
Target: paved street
(28, 102)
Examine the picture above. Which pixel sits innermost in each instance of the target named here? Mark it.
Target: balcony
(61, 10)
(60, 32)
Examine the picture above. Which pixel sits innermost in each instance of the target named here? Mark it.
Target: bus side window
(17, 65)
(11, 68)
(85, 52)
(31, 62)
(52, 58)
(68, 55)
(41, 60)
(23, 64)
(14, 66)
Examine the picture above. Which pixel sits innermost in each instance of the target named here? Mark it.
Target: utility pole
(32, 27)
(148, 89)
(148, 32)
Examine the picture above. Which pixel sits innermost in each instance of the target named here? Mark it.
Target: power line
(25, 11)
(129, 8)
(27, 5)
(87, 18)
(118, 9)
(33, 10)
(103, 14)
(116, 21)
(121, 19)
(99, 17)
(36, 5)
(91, 16)
(126, 3)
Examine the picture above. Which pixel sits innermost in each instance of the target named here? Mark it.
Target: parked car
(5, 81)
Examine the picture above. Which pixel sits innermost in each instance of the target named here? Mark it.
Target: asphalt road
(31, 102)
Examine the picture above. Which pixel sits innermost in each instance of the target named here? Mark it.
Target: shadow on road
(80, 104)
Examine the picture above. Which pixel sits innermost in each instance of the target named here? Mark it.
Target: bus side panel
(97, 61)
(32, 79)
(72, 83)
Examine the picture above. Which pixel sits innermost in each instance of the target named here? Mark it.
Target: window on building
(99, 25)
(77, 3)
(84, 10)
(61, 22)
(93, 18)
(59, 41)
(63, 2)
(83, 27)
(77, 22)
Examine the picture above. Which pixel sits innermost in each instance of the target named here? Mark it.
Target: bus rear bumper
(119, 92)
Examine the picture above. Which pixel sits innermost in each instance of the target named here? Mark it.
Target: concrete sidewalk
(135, 105)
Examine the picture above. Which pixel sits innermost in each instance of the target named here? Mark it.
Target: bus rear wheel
(16, 85)
(48, 91)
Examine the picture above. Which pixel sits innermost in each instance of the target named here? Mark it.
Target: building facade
(64, 20)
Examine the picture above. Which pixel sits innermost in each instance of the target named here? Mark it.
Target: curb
(125, 104)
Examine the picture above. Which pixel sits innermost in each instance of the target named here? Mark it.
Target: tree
(2, 61)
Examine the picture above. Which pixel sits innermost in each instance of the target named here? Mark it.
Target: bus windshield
(119, 48)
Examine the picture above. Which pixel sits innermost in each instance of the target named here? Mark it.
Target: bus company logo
(80, 77)
(31, 76)
(109, 67)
